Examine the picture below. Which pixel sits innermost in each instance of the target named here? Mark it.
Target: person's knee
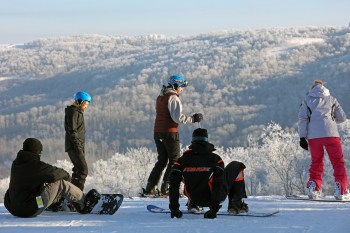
(236, 165)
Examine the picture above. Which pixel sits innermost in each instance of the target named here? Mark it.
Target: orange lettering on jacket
(196, 169)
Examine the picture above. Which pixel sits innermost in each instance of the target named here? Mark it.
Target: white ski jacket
(319, 114)
(175, 108)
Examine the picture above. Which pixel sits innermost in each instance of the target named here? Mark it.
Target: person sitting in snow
(35, 185)
(207, 181)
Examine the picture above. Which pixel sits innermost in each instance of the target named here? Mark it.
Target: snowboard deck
(157, 209)
(322, 199)
(108, 204)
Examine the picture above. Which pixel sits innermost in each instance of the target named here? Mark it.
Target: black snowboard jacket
(28, 176)
(74, 126)
(202, 172)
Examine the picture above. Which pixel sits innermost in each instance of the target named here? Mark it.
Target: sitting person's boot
(91, 199)
(237, 207)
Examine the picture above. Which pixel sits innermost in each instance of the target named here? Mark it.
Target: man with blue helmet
(74, 126)
(168, 117)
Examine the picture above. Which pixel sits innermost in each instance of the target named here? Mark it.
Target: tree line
(240, 80)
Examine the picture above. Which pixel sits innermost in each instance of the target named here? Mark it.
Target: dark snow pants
(168, 148)
(80, 169)
(234, 185)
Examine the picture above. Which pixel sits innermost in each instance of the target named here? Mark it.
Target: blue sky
(26, 20)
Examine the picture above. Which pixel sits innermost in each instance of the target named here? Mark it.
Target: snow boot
(237, 207)
(91, 199)
(312, 193)
(338, 195)
(150, 191)
(164, 189)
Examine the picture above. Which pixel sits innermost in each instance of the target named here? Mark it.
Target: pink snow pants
(335, 153)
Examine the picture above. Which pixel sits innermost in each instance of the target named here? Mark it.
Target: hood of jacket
(168, 90)
(25, 156)
(319, 91)
(72, 108)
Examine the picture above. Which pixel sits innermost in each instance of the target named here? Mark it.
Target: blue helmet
(83, 96)
(177, 79)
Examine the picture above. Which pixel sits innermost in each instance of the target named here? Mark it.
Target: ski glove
(176, 214)
(210, 214)
(303, 144)
(197, 117)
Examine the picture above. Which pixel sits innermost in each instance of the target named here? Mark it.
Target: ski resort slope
(294, 217)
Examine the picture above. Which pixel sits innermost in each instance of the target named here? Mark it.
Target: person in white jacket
(319, 115)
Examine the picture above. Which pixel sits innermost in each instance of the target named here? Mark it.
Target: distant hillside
(240, 80)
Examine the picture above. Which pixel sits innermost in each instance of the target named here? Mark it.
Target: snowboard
(107, 204)
(322, 199)
(157, 209)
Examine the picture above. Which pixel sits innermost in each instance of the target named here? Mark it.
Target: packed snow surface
(295, 216)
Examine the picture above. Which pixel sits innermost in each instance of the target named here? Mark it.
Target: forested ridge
(241, 80)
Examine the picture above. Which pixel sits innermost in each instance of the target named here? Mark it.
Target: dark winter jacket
(28, 176)
(202, 171)
(75, 129)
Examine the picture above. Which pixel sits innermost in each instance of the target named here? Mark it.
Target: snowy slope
(294, 216)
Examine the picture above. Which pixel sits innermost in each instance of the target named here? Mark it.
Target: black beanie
(32, 145)
(200, 135)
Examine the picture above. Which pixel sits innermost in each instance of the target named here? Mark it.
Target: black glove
(197, 117)
(176, 214)
(303, 144)
(210, 214)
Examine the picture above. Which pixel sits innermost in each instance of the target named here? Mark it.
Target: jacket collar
(202, 147)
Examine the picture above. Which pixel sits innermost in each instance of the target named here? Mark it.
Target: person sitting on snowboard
(35, 185)
(207, 181)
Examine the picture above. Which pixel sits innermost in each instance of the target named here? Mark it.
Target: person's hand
(210, 214)
(176, 214)
(303, 144)
(197, 117)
